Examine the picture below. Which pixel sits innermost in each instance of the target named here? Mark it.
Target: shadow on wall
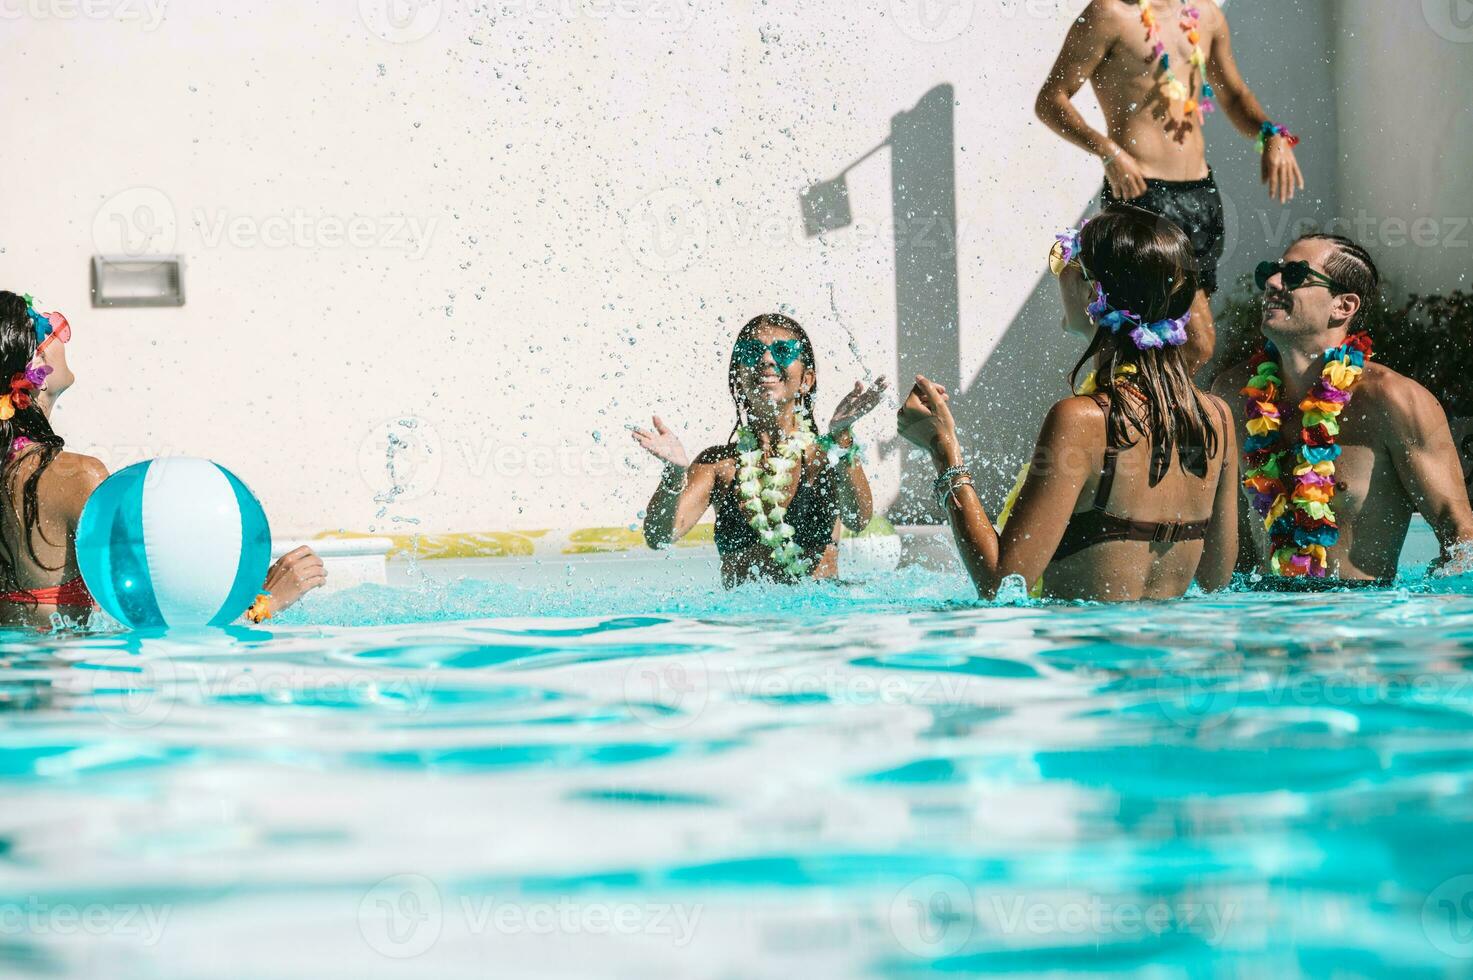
(1002, 405)
(1286, 60)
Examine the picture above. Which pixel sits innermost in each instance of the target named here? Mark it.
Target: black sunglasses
(1296, 275)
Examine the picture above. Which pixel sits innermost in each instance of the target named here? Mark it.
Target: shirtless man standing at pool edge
(1339, 451)
(1158, 67)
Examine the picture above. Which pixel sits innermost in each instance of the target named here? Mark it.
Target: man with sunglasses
(1159, 68)
(1390, 452)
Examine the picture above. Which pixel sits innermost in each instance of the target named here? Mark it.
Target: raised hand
(1281, 170)
(294, 575)
(925, 418)
(857, 404)
(662, 444)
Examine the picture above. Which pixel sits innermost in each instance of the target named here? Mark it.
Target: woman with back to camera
(45, 487)
(1132, 492)
(781, 491)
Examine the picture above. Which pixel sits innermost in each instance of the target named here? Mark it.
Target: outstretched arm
(1421, 445)
(1280, 167)
(1044, 505)
(856, 504)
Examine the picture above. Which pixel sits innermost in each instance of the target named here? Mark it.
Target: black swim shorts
(1195, 206)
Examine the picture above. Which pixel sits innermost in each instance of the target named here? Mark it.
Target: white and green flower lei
(763, 487)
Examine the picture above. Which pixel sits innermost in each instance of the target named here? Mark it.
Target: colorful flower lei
(1145, 336)
(1178, 92)
(763, 484)
(1301, 524)
(1269, 131)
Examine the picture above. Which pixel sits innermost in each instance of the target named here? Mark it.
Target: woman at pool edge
(1132, 493)
(781, 492)
(47, 487)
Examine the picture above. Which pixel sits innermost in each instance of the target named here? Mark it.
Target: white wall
(1404, 76)
(606, 190)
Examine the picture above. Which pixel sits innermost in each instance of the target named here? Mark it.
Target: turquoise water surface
(835, 781)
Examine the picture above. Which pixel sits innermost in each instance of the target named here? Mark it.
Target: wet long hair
(778, 322)
(17, 348)
(1147, 266)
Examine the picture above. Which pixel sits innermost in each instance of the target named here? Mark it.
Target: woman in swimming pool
(1132, 492)
(45, 487)
(780, 490)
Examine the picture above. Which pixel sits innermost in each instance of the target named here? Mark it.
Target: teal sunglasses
(749, 352)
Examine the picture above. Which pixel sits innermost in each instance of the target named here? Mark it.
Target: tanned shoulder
(715, 455)
(1404, 406)
(1110, 16)
(1228, 385)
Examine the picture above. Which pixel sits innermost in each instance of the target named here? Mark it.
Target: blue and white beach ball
(174, 542)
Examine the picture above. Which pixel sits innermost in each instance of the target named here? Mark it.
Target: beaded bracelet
(837, 454)
(943, 487)
(1269, 131)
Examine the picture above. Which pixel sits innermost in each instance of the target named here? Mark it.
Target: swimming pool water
(834, 781)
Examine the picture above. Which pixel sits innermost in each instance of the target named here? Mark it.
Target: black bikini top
(1098, 526)
(810, 512)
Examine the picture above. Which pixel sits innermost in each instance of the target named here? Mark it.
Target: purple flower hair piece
(1145, 336)
(36, 374)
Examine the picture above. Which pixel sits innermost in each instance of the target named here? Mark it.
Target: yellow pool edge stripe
(546, 543)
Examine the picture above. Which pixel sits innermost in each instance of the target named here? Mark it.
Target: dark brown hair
(17, 348)
(1147, 266)
(1352, 267)
(777, 322)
